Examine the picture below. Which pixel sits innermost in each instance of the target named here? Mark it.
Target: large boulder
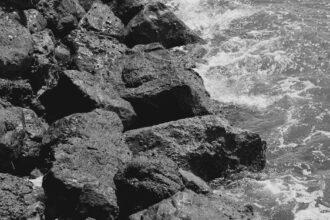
(101, 19)
(20, 139)
(206, 145)
(19, 199)
(97, 54)
(62, 15)
(35, 22)
(160, 88)
(15, 47)
(82, 92)
(145, 181)
(156, 23)
(85, 151)
(127, 9)
(189, 205)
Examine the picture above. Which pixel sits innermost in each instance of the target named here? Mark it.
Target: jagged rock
(206, 145)
(20, 138)
(86, 151)
(160, 88)
(63, 55)
(35, 22)
(194, 183)
(189, 205)
(62, 15)
(82, 92)
(15, 47)
(145, 181)
(97, 54)
(19, 200)
(101, 19)
(156, 23)
(127, 9)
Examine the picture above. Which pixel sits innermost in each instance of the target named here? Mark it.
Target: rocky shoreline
(120, 126)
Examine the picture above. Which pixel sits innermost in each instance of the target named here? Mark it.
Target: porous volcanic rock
(160, 88)
(15, 47)
(82, 92)
(156, 23)
(62, 15)
(19, 200)
(21, 133)
(35, 22)
(145, 181)
(189, 205)
(206, 145)
(85, 151)
(101, 19)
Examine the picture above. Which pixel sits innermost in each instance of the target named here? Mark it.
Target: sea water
(272, 57)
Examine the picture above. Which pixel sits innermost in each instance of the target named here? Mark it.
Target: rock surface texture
(99, 109)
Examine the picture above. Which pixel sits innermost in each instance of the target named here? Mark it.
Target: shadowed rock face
(85, 151)
(144, 181)
(156, 23)
(205, 145)
(19, 200)
(189, 205)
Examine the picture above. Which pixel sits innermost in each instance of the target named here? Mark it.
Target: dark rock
(15, 47)
(82, 92)
(19, 200)
(21, 4)
(97, 54)
(35, 22)
(156, 23)
(206, 145)
(127, 9)
(20, 138)
(194, 183)
(102, 20)
(62, 15)
(86, 151)
(63, 55)
(189, 205)
(145, 181)
(160, 88)
(16, 92)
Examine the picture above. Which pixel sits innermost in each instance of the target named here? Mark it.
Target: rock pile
(93, 98)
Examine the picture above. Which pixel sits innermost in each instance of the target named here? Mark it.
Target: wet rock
(35, 22)
(194, 183)
(189, 205)
(20, 138)
(15, 47)
(206, 145)
(145, 181)
(97, 54)
(160, 88)
(19, 200)
(156, 23)
(85, 151)
(82, 92)
(62, 15)
(102, 20)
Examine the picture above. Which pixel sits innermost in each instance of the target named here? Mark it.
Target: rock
(194, 183)
(206, 145)
(160, 88)
(156, 23)
(62, 15)
(21, 4)
(82, 92)
(19, 200)
(63, 55)
(127, 9)
(145, 181)
(102, 20)
(189, 205)
(97, 54)
(15, 47)
(16, 92)
(20, 139)
(35, 22)
(86, 151)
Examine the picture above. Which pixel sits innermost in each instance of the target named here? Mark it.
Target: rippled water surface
(271, 57)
